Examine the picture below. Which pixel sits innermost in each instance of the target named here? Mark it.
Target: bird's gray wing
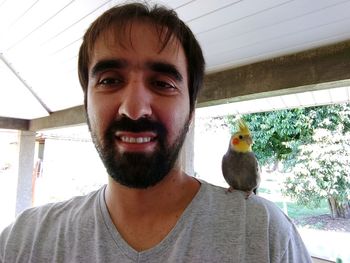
(241, 170)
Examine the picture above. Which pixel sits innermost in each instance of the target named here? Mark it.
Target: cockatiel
(239, 165)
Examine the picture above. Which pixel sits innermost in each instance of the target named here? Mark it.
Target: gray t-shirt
(217, 226)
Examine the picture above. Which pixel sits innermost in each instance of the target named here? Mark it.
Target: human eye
(109, 82)
(164, 86)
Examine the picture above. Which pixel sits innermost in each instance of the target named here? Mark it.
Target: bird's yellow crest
(241, 141)
(243, 127)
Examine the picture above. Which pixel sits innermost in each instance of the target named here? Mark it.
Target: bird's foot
(248, 194)
(230, 190)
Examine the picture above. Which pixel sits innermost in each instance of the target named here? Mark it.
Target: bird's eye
(241, 137)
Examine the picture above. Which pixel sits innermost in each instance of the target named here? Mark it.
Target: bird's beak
(248, 139)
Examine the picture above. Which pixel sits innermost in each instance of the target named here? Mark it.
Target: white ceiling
(39, 41)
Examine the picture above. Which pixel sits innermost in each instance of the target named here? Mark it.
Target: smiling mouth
(137, 140)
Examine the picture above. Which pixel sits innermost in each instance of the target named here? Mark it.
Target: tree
(322, 166)
(311, 142)
(323, 172)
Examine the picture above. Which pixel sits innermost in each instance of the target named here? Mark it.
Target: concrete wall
(25, 169)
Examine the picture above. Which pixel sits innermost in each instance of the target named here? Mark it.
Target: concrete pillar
(187, 153)
(26, 151)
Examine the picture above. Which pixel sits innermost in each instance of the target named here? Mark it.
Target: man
(140, 69)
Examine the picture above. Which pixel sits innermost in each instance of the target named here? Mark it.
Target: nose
(135, 101)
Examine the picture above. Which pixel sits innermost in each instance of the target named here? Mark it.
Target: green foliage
(322, 169)
(276, 134)
(330, 117)
(322, 166)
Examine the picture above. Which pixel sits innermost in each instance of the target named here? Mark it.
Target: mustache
(139, 125)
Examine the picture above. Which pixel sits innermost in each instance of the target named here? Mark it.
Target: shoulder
(218, 194)
(51, 218)
(256, 211)
(56, 211)
(49, 230)
(259, 220)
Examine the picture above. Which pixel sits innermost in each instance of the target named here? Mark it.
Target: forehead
(141, 38)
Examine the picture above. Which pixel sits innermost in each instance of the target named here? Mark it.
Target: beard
(138, 170)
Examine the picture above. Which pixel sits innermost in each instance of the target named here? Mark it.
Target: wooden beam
(68, 117)
(14, 124)
(303, 71)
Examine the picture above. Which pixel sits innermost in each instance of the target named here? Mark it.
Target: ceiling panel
(174, 4)
(233, 21)
(198, 9)
(291, 101)
(321, 96)
(341, 94)
(286, 37)
(15, 99)
(64, 27)
(32, 21)
(40, 39)
(306, 98)
(8, 18)
(227, 22)
(319, 24)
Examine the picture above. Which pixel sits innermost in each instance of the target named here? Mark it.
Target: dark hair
(166, 21)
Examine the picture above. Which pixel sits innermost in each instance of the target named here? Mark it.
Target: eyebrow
(108, 64)
(165, 68)
(160, 67)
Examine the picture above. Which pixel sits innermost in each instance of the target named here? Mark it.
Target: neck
(133, 200)
(144, 217)
(126, 200)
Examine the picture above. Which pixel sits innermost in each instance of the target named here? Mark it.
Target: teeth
(135, 140)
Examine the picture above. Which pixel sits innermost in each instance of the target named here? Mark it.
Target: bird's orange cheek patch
(235, 141)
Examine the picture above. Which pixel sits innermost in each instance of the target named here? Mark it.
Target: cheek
(175, 122)
(91, 110)
(99, 113)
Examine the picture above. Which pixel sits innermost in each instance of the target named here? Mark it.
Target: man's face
(138, 104)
